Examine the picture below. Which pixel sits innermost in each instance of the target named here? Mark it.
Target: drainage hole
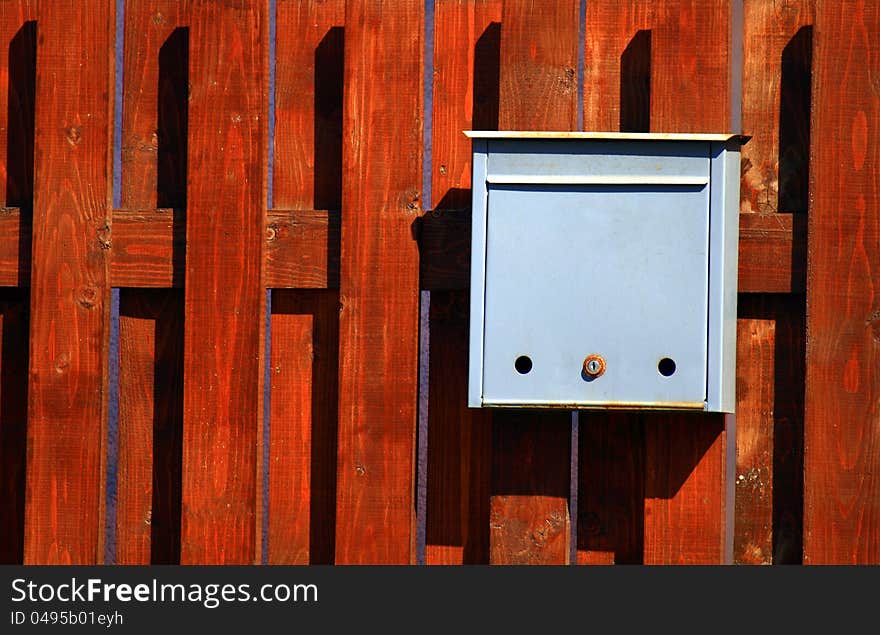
(523, 364)
(666, 366)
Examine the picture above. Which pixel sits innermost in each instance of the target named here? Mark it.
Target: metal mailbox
(603, 270)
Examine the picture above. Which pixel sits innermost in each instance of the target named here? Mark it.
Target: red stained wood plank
(770, 407)
(224, 297)
(689, 62)
(617, 65)
(776, 45)
(382, 157)
(154, 124)
(611, 488)
(772, 253)
(302, 460)
(13, 421)
(154, 132)
(150, 426)
(685, 506)
(69, 291)
(842, 442)
(529, 516)
(467, 43)
(753, 543)
(611, 457)
(17, 86)
(303, 251)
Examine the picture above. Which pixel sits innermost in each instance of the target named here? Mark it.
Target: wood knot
(87, 297)
(62, 364)
(873, 321)
(361, 470)
(271, 233)
(73, 134)
(103, 236)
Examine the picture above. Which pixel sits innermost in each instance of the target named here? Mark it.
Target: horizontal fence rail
(234, 270)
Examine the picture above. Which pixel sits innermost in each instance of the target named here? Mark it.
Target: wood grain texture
(302, 248)
(308, 104)
(154, 134)
(755, 344)
(772, 253)
(459, 444)
(69, 291)
(685, 506)
(150, 426)
(775, 79)
(611, 488)
(13, 422)
(302, 446)
(770, 415)
(18, 48)
(529, 516)
(611, 456)
(689, 63)
(613, 90)
(842, 442)
(225, 301)
(539, 44)
(382, 158)
(155, 66)
(303, 252)
(466, 74)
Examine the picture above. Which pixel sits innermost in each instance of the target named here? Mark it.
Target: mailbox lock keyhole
(594, 366)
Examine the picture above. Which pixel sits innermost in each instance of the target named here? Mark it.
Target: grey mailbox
(603, 270)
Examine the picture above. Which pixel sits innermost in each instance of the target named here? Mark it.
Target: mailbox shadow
(21, 90)
(13, 421)
(635, 84)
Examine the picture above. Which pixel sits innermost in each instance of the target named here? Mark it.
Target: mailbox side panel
(723, 262)
(478, 271)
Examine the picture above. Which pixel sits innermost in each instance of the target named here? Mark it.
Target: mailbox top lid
(609, 136)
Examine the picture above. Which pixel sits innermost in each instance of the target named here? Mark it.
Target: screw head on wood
(594, 365)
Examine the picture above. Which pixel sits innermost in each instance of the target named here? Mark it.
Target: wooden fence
(156, 407)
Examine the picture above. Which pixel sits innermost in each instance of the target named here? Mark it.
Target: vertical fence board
(774, 160)
(69, 292)
(777, 42)
(842, 441)
(617, 65)
(225, 300)
(150, 426)
(382, 158)
(769, 465)
(154, 134)
(685, 454)
(529, 516)
(466, 74)
(305, 340)
(611, 466)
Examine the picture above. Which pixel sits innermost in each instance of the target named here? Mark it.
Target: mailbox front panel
(619, 271)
